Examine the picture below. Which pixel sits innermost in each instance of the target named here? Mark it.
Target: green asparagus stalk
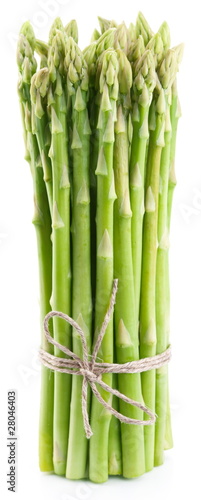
(162, 313)
(148, 292)
(42, 222)
(162, 319)
(77, 78)
(149, 254)
(61, 270)
(143, 86)
(45, 272)
(92, 53)
(126, 332)
(100, 418)
(175, 114)
(93, 109)
(165, 35)
(167, 74)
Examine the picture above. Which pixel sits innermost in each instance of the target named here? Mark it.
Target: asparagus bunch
(100, 130)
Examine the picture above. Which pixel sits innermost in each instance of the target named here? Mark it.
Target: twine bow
(91, 370)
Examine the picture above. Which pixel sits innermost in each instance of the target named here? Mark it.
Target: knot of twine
(92, 371)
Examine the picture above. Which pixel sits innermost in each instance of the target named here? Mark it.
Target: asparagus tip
(71, 29)
(125, 72)
(56, 25)
(105, 24)
(164, 31)
(95, 36)
(28, 32)
(143, 28)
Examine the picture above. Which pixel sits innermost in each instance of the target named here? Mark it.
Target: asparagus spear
(161, 303)
(165, 38)
(143, 86)
(167, 74)
(100, 418)
(61, 271)
(126, 334)
(143, 64)
(81, 275)
(93, 107)
(175, 114)
(92, 53)
(149, 253)
(42, 222)
(122, 41)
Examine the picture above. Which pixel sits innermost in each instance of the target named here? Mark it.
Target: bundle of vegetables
(100, 133)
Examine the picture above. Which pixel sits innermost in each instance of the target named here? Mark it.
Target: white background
(20, 336)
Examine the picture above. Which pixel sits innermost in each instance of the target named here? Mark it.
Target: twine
(92, 371)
